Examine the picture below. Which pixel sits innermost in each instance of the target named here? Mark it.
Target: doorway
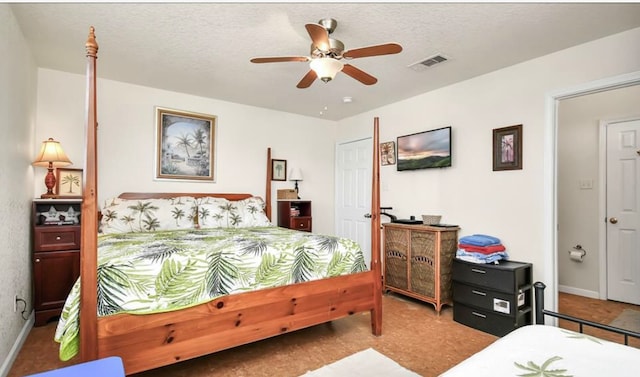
(558, 249)
(353, 192)
(622, 215)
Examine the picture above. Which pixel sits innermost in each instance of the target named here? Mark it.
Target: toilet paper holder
(580, 249)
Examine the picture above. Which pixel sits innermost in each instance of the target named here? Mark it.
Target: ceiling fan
(327, 53)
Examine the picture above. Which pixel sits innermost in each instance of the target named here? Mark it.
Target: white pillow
(252, 213)
(146, 215)
(215, 212)
(223, 213)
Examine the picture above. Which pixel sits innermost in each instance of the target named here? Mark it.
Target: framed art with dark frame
(388, 153)
(185, 145)
(68, 183)
(278, 170)
(507, 148)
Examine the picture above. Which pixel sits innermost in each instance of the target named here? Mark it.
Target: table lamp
(296, 176)
(51, 154)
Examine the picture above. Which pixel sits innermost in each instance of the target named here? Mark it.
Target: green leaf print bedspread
(142, 273)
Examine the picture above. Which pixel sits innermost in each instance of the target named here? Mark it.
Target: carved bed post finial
(92, 45)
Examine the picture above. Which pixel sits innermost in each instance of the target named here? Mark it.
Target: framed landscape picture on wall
(185, 145)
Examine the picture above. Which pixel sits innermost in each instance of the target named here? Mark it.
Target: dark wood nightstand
(295, 214)
(56, 254)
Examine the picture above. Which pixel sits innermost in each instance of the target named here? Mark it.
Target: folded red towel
(482, 249)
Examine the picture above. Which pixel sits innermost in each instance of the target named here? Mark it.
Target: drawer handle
(58, 238)
(479, 315)
(478, 271)
(479, 293)
(301, 225)
(38, 260)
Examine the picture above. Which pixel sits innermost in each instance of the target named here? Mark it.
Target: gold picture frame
(388, 153)
(185, 145)
(69, 183)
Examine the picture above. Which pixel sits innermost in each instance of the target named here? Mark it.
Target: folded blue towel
(480, 240)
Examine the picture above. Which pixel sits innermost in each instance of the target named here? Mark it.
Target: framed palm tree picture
(278, 170)
(68, 183)
(185, 145)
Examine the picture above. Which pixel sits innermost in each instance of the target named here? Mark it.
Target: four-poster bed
(152, 340)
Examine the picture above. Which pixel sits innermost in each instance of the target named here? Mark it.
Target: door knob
(613, 220)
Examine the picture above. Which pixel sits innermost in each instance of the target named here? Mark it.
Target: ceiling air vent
(428, 62)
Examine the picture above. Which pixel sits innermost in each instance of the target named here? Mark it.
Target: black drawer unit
(494, 298)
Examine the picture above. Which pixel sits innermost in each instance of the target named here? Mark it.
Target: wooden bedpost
(376, 313)
(267, 199)
(89, 223)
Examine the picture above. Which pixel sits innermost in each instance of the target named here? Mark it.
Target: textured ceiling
(204, 48)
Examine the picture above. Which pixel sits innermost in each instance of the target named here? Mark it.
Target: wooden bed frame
(149, 341)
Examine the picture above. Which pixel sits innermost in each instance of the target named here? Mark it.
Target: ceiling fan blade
(359, 74)
(307, 80)
(280, 59)
(383, 49)
(319, 35)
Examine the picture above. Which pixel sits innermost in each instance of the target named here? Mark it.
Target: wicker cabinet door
(396, 246)
(448, 247)
(423, 260)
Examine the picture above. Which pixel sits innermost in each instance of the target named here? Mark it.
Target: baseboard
(578, 291)
(17, 345)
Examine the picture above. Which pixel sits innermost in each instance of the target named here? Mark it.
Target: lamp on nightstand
(51, 154)
(296, 176)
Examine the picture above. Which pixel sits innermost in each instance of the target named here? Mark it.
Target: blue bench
(107, 367)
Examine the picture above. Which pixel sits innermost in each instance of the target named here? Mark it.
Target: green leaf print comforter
(142, 273)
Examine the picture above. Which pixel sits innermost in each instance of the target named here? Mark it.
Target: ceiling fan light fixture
(326, 68)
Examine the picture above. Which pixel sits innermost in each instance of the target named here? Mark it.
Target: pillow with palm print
(147, 215)
(252, 213)
(223, 213)
(216, 212)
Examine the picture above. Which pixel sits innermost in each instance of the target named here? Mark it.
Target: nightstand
(295, 214)
(56, 254)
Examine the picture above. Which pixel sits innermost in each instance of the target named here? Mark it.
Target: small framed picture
(388, 153)
(507, 148)
(278, 170)
(68, 183)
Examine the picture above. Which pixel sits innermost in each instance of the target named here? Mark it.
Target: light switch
(586, 184)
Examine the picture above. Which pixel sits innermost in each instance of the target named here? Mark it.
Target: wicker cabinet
(417, 261)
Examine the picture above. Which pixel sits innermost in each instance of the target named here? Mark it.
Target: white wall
(506, 204)
(579, 219)
(126, 141)
(17, 118)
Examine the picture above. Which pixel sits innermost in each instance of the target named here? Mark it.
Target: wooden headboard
(166, 195)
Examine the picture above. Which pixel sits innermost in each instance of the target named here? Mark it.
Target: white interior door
(353, 193)
(623, 212)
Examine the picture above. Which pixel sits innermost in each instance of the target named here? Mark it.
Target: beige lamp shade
(51, 152)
